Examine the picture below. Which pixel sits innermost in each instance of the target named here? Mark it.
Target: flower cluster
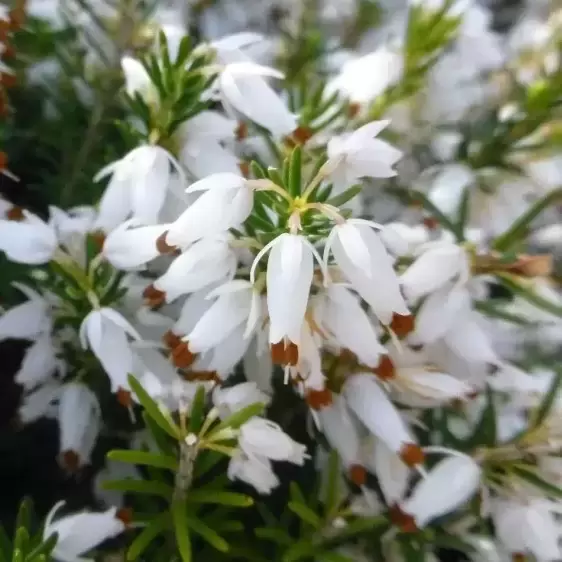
(362, 241)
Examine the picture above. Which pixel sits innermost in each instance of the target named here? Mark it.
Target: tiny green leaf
(241, 416)
(278, 536)
(181, 530)
(306, 514)
(197, 412)
(139, 487)
(295, 170)
(548, 401)
(485, 432)
(147, 535)
(220, 498)
(144, 458)
(519, 228)
(164, 421)
(204, 531)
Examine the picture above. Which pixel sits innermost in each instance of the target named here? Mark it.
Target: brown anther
(241, 131)
(318, 399)
(124, 398)
(299, 136)
(153, 296)
(357, 474)
(430, 223)
(9, 51)
(181, 356)
(70, 460)
(17, 17)
(162, 246)
(4, 29)
(402, 325)
(291, 354)
(8, 80)
(203, 376)
(411, 454)
(353, 109)
(404, 521)
(244, 168)
(347, 356)
(125, 515)
(15, 214)
(3, 160)
(533, 266)
(385, 369)
(278, 353)
(473, 395)
(171, 340)
(518, 557)
(98, 238)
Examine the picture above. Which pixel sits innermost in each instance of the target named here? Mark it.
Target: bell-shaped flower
(79, 418)
(374, 409)
(130, 246)
(236, 303)
(202, 139)
(256, 471)
(243, 90)
(137, 81)
(341, 317)
(104, 331)
(193, 308)
(359, 155)
(528, 528)
(81, 532)
(137, 188)
(234, 398)
(364, 261)
(31, 241)
(439, 263)
(225, 203)
(392, 473)
(26, 321)
(39, 402)
(449, 484)
(261, 437)
(39, 363)
(290, 269)
(206, 262)
(309, 365)
(342, 434)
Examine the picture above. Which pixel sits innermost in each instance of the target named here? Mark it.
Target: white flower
(237, 196)
(261, 437)
(342, 434)
(528, 528)
(254, 470)
(138, 186)
(448, 185)
(138, 81)
(81, 532)
(363, 259)
(39, 402)
(27, 320)
(289, 277)
(230, 400)
(39, 363)
(358, 155)
(225, 203)
(347, 325)
(202, 144)
(79, 418)
(105, 331)
(236, 304)
(439, 263)
(130, 246)
(206, 262)
(243, 90)
(362, 79)
(449, 484)
(392, 473)
(31, 241)
(373, 407)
